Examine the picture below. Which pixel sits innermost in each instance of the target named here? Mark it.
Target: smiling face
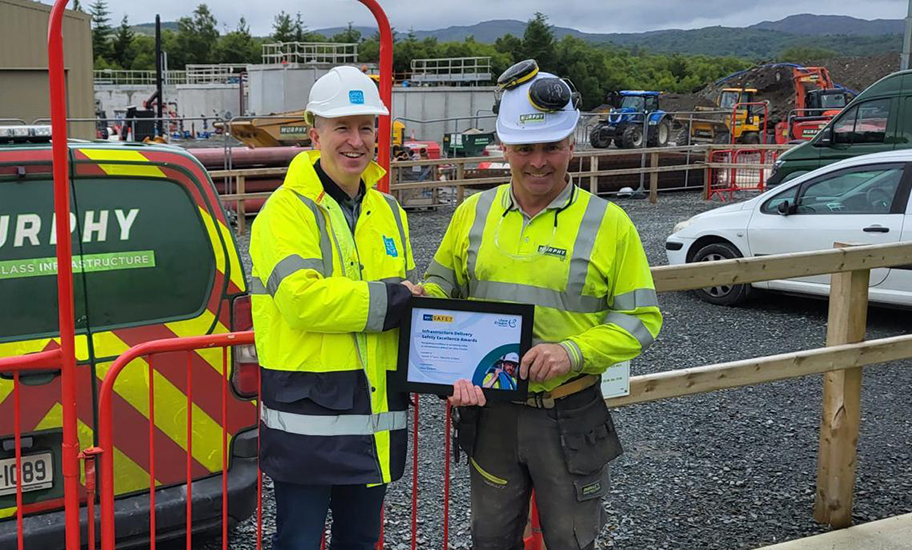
(539, 169)
(346, 146)
(510, 368)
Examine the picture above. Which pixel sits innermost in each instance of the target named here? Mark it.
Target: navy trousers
(301, 516)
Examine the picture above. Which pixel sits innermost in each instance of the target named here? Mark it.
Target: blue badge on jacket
(356, 97)
(390, 247)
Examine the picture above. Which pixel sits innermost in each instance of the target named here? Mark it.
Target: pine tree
(121, 46)
(198, 36)
(538, 43)
(298, 28)
(101, 30)
(283, 28)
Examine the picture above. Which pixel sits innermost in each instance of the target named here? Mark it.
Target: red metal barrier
(106, 436)
(223, 341)
(726, 181)
(63, 358)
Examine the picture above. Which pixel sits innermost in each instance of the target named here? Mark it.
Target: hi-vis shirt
(580, 262)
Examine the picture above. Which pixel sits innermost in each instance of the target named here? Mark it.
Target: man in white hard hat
(502, 374)
(542, 240)
(331, 269)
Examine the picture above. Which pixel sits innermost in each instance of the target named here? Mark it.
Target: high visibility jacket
(319, 303)
(580, 262)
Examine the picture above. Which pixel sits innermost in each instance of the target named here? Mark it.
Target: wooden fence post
(240, 207)
(707, 171)
(654, 179)
(460, 188)
(839, 425)
(593, 180)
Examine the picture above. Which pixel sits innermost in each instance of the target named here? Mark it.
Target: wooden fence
(700, 155)
(841, 362)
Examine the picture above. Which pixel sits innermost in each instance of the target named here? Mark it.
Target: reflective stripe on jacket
(580, 262)
(319, 302)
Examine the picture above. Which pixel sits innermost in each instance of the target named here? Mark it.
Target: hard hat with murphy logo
(344, 91)
(535, 107)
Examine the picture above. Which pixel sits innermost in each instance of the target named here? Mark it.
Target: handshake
(417, 290)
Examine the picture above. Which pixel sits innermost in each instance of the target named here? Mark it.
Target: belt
(547, 400)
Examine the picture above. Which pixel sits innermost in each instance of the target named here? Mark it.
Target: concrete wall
(467, 107)
(280, 88)
(195, 100)
(110, 97)
(276, 89)
(24, 92)
(192, 100)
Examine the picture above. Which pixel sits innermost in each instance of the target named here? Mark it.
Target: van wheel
(722, 295)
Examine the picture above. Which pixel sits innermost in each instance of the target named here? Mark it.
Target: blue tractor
(624, 123)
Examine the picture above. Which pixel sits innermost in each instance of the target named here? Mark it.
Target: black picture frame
(525, 311)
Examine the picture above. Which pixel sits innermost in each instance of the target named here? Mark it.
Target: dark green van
(879, 119)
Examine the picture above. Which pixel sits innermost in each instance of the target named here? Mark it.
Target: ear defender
(553, 94)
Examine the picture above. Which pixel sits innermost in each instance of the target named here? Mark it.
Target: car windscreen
(145, 250)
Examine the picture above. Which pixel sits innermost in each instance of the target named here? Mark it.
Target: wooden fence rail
(701, 161)
(841, 362)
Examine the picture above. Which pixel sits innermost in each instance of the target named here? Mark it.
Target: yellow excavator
(718, 127)
(290, 129)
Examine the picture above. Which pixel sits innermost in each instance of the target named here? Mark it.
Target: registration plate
(37, 473)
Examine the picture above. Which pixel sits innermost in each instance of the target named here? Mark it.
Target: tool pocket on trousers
(466, 424)
(588, 438)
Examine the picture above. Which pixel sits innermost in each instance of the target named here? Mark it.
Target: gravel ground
(734, 469)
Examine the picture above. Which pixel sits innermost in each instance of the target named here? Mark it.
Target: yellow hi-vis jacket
(319, 301)
(580, 262)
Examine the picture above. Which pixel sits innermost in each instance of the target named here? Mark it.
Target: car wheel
(722, 295)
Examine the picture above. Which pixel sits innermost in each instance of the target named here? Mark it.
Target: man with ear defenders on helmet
(331, 263)
(542, 240)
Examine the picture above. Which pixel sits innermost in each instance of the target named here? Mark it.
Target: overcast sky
(585, 15)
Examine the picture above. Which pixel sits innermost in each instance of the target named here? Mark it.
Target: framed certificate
(442, 341)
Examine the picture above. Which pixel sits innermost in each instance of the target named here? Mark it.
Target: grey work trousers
(518, 448)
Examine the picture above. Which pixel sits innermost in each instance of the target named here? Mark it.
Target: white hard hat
(624, 192)
(512, 357)
(344, 91)
(519, 121)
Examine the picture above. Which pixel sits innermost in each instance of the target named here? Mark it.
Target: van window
(28, 263)
(146, 252)
(863, 123)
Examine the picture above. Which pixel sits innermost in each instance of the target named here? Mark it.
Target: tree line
(595, 69)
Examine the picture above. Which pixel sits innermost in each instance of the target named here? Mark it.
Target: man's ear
(314, 137)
